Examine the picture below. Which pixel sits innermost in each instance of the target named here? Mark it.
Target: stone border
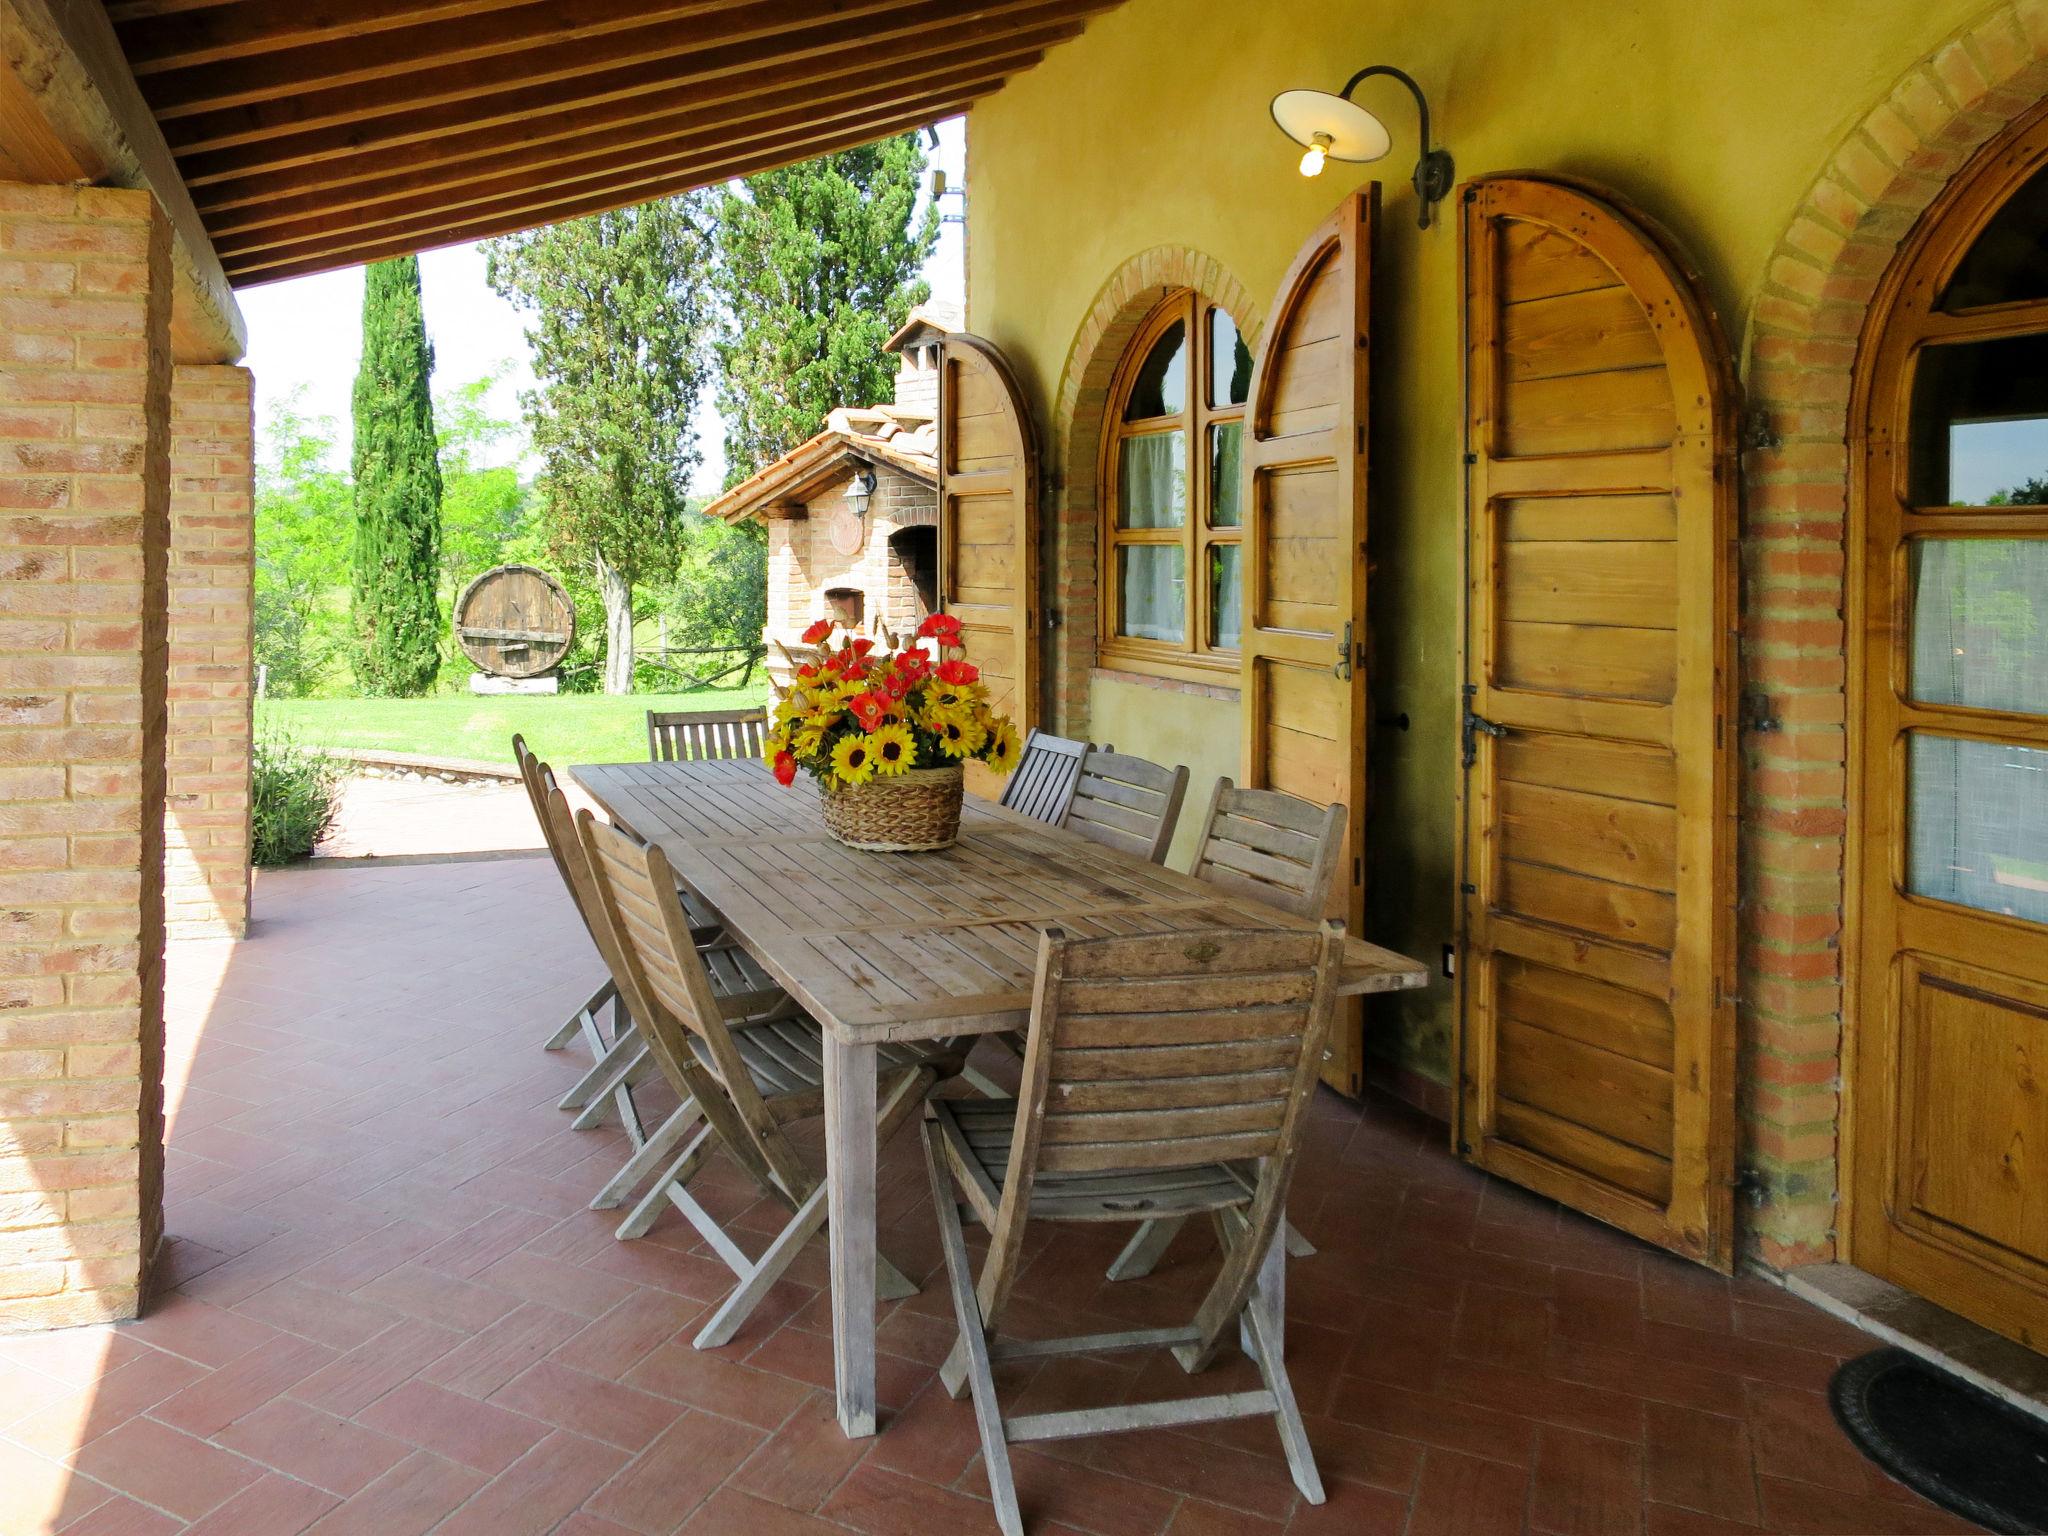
(455, 770)
(1069, 542)
(1806, 319)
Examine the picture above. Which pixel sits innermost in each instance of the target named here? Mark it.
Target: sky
(305, 335)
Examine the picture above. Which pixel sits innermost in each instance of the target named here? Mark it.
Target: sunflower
(807, 741)
(894, 749)
(945, 697)
(958, 737)
(853, 760)
(1004, 747)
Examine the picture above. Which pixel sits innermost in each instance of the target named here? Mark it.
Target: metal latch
(1475, 723)
(1343, 667)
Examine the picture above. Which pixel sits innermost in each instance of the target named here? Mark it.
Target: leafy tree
(304, 512)
(394, 601)
(483, 505)
(619, 303)
(817, 266)
(2031, 492)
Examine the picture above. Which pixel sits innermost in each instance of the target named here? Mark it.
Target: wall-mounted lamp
(860, 489)
(1338, 128)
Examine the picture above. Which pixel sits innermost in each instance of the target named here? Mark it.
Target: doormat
(1958, 1445)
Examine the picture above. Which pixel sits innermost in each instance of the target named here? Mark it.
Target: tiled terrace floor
(394, 1313)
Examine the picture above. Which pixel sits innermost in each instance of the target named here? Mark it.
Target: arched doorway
(1948, 1178)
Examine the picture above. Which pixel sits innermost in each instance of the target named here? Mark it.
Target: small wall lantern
(860, 490)
(1338, 128)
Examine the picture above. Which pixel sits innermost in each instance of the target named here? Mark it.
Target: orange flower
(869, 709)
(816, 634)
(860, 646)
(785, 769)
(959, 673)
(940, 626)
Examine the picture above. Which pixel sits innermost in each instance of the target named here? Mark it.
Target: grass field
(563, 728)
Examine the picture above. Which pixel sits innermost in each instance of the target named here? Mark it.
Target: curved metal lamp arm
(1434, 172)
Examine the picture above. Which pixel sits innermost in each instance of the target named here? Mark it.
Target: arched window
(1173, 522)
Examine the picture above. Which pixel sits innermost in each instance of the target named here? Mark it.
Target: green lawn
(563, 728)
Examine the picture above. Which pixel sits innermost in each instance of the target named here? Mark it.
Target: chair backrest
(675, 736)
(1042, 787)
(1154, 1052)
(558, 829)
(669, 994)
(1275, 848)
(1127, 802)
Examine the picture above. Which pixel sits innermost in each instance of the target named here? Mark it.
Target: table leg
(850, 1170)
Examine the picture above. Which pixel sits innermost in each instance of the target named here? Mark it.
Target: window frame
(1197, 656)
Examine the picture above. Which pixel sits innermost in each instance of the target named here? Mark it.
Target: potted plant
(885, 734)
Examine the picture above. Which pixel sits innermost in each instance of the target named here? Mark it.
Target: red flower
(912, 666)
(896, 685)
(869, 709)
(940, 626)
(807, 671)
(860, 646)
(959, 673)
(816, 634)
(785, 768)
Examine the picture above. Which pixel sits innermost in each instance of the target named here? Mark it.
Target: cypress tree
(394, 601)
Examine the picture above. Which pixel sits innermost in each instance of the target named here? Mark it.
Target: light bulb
(1313, 157)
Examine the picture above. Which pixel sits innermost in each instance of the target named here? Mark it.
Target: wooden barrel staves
(515, 621)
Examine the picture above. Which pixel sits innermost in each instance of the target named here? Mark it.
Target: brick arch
(1132, 291)
(1805, 321)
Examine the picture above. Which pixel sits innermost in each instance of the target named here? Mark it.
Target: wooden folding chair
(1042, 786)
(675, 736)
(747, 1080)
(1283, 851)
(1128, 803)
(617, 1060)
(1166, 1073)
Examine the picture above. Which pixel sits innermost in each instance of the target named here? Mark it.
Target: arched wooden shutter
(1304, 674)
(988, 527)
(1596, 1033)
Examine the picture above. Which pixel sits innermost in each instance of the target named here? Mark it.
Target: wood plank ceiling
(320, 133)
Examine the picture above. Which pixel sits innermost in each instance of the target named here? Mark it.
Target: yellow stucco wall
(1713, 116)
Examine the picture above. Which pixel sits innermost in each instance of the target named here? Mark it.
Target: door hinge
(1475, 725)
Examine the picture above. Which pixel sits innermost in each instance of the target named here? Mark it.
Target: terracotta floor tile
(412, 1498)
(120, 1516)
(665, 1482)
(1350, 1509)
(1700, 1462)
(884, 1503)
(218, 1399)
(804, 1460)
(60, 1427)
(1458, 1495)
(166, 1468)
(1438, 1421)
(707, 1379)
(276, 1506)
(1195, 1517)
(451, 1425)
(39, 1492)
(588, 1405)
(729, 1512)
(436, 1298)
(1809, 1508)
(362, 1375)
(204, 1334)
(327, 1317)
(623, 1337)
(1087, 1498)
(489, 1358)
(1585, 1485)
(315, 1447)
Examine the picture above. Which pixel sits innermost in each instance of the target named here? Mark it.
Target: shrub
(293, 797)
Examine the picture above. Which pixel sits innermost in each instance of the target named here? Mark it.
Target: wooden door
(1595, 1039)
(988, 528)
(1304, 654)
(1948, 1121)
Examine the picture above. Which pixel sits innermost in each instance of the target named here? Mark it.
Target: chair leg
(631, 1057)
(1149, 1244)
(649, 1206)
(658, 1147)
(603, 1068)
(988, 1418)
(756, 1280)
(1262, 1318)
(584, 1020)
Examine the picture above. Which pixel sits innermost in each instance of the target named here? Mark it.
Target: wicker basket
(908, 812)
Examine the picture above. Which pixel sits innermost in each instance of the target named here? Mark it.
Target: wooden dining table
(884, 947)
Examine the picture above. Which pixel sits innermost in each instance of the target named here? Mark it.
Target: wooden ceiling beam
(458, 158)
(257, 223)
(159, 37)
(622, 97)
(410, 64)
(514, 214)
(590, 174)
(606, 68)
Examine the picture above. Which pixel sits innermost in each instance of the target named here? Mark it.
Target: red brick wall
(84, 409)
(1806, 320)
(206, 830)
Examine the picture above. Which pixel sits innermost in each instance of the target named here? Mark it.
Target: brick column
(84, 479)
(206, 826)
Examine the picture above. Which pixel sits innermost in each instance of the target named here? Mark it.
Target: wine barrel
(515, 621)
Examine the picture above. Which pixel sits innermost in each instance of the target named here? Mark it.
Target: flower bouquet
(885, 735)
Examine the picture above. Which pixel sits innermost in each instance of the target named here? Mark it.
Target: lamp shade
(1352, 133)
